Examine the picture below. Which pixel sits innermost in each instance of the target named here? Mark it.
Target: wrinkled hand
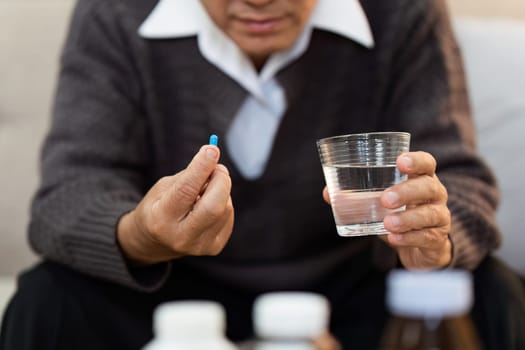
(420, 233)
(189, 213)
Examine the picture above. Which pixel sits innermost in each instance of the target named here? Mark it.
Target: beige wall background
(489, 8)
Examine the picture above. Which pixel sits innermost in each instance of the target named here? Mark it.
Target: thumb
(189, 183)
(326, 195)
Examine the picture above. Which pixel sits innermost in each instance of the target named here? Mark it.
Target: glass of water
(357, 169)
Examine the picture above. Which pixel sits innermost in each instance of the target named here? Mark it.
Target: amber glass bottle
(430, 311)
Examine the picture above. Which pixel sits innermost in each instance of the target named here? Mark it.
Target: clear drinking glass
(357, 168)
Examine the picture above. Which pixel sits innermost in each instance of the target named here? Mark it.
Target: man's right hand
(189, 213)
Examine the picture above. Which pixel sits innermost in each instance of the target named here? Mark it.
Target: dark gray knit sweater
(129, 111)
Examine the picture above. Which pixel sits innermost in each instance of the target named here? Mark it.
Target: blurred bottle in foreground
(289, 321)
(430, 310)
(189, 325)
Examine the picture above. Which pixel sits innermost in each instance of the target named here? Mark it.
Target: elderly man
(130, 214)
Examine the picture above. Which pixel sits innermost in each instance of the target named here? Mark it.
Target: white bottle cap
(432, 294)
(291, 315)
(189, 319)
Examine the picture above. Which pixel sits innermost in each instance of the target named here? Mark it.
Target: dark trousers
(57, 308)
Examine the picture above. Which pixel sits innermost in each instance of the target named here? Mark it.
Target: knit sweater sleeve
(95, 155)
(428, 95)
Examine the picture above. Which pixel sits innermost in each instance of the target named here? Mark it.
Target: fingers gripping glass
(357, 168)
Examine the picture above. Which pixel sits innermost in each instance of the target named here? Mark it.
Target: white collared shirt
(250, 137)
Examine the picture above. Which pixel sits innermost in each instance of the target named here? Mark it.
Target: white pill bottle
(289, 321)
(189, 325)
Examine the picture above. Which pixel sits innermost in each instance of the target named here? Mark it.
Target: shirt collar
(181, 18)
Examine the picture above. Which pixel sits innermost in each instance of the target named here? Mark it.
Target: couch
(31, 33)
(494, 54)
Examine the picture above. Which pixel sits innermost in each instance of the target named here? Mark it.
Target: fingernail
(211, 153)
(392, 197)
(407, 161)
(395, 221)
(222, 168)
(396, 237)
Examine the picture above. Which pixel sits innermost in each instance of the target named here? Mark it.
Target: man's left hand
(420, 233)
